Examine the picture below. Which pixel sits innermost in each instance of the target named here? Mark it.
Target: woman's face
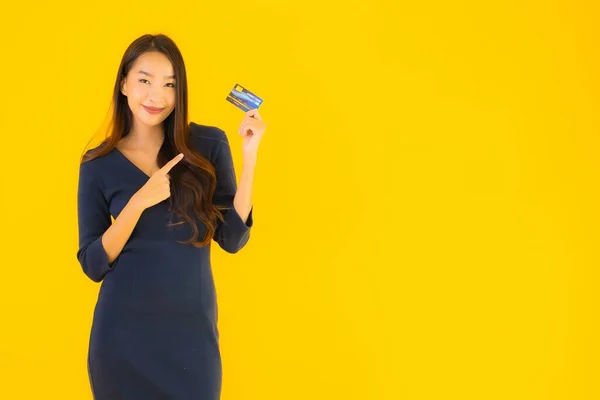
(150, 88)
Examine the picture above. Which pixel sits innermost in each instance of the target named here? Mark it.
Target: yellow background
(426, 196)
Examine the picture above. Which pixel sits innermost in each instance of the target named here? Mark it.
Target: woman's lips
(152, 110)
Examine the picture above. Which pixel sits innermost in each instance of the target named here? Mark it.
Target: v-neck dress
(154, 333)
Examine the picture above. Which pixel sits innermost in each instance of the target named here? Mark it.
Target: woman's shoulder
(88, 156)
(206, 139)
(201, 132)
(95, 165)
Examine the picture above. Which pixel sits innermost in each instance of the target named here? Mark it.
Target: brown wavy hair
(193, 179)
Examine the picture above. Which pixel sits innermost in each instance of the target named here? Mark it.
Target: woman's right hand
(158, 187)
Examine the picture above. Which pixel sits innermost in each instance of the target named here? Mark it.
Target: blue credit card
(243, 98)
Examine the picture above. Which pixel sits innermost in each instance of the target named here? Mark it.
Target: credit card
(243, 98)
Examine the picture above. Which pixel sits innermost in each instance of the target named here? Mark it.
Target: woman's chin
(151, 120)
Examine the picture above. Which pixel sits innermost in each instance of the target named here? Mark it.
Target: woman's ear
(124, 87)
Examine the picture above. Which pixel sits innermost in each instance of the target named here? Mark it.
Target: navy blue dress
(154, 333)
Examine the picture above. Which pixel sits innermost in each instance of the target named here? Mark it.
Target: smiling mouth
(152, 110)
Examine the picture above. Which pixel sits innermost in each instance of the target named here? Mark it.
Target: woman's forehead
(153, 64)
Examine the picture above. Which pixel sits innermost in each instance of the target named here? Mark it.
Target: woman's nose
(156, 95)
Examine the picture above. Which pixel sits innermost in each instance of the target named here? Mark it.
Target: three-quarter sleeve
(93, 219)
(232, 234)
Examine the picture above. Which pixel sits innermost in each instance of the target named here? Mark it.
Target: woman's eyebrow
(152, 76)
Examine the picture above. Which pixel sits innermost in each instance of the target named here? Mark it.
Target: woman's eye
(145, 80)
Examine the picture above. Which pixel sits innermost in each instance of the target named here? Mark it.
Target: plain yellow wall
(426, 197)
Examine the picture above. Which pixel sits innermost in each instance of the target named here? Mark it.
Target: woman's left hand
(252, 129)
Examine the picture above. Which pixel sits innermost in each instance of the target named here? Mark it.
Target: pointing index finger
(168, 166)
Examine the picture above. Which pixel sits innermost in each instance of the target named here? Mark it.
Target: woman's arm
(115, 237)
(243, 196)
(232, 234)
(101, 242)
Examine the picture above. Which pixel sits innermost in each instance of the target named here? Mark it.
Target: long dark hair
(193, 180)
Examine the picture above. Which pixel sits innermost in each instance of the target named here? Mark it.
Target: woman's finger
(253, 113)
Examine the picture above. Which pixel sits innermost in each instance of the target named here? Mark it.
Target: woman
(171, 188)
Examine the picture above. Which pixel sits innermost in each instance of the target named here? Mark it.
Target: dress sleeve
(232, 234)
(93, 218)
